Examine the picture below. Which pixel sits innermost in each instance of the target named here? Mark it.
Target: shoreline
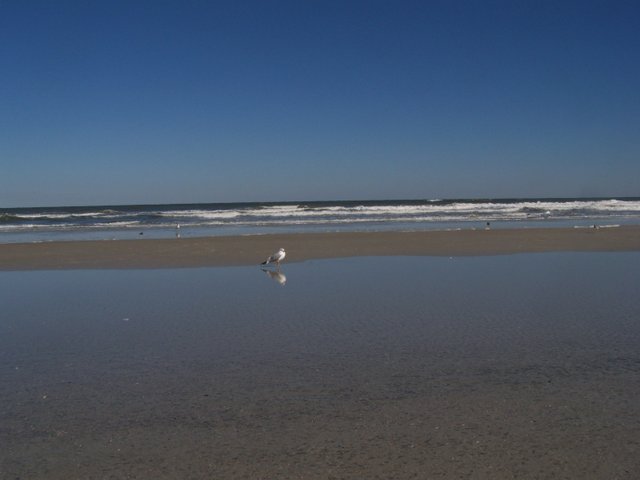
(253, 249)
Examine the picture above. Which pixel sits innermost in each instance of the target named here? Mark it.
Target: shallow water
(488, 367)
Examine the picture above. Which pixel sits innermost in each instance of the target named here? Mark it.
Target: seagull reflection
(276, 275)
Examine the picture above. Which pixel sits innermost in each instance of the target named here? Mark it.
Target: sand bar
(252, 249)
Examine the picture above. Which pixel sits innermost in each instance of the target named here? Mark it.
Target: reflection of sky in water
(463, 307)
(529, 362)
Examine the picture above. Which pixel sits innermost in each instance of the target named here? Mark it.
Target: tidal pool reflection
(276, 275)
(523, 365)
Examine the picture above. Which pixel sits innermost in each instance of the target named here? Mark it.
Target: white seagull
(275, 258)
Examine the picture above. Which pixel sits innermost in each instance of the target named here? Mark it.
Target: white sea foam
(205, 214)
(428, 212)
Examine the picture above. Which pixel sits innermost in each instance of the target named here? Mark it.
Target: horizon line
(381, 200)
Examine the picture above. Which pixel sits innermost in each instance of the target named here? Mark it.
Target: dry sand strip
(253, 249)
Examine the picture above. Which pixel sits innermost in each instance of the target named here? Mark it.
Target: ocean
(206, 219)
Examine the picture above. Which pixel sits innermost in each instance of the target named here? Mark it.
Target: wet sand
(491, 367)
(253, 249)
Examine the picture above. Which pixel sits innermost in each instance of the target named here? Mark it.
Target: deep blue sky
(107, 102)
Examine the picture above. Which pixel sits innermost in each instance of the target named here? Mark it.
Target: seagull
(276, 257)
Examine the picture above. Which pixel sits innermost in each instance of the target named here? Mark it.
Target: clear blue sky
(108, 102)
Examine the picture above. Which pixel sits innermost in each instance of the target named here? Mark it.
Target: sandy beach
(459, 362)
(253, 249)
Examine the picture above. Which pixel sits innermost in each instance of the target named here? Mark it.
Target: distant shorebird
(275, 258)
